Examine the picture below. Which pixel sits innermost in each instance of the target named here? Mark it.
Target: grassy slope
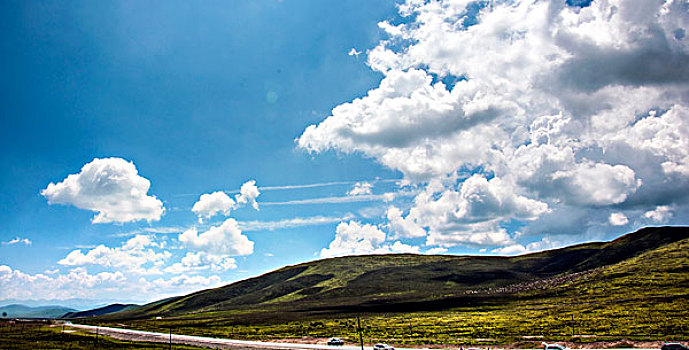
(635, 286)
(101, 311)
(400, 282)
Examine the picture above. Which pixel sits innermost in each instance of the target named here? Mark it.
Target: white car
(335, 341)
(382, 346)
(554, 346)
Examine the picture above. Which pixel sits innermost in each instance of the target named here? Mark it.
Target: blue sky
(366, 127)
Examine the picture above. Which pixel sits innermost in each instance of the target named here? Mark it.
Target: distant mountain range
(23, 311)
(73, 303)
(408, 282)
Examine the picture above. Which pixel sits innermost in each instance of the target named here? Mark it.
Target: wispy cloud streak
(293, 222)
(314, 185)
(18, 240)
(386, 197)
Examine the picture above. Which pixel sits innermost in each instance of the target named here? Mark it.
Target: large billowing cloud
(551, 116)
(112, 188)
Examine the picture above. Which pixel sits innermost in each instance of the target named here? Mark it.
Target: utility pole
(572, 324)
(170, 337)
(361, 336)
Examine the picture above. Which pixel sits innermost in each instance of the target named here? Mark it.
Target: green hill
(420, 283)
(112, 308)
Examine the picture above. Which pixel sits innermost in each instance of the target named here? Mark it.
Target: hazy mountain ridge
(23, 311)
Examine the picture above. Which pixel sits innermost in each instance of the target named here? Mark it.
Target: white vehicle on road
(382, 346)
(554, 346)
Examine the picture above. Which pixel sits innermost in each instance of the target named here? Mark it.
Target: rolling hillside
(414, 283)
(112, 308)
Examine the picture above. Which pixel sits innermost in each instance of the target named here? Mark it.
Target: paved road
(218, 343)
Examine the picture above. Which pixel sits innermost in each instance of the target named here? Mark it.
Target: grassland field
(48, 335)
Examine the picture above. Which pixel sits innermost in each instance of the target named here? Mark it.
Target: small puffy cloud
(660, 214)
(136, 255)
(512, 249)
(360, 188)
(213, 203)
(618, 219)
(179, 284)
(436, 250)
(516, 248)
(225, 239)
(248, 194)
(354, 52)
(210, 204)
(112, 188)
(202, 261)
(18, 240)
(397, 247)
(354, 238)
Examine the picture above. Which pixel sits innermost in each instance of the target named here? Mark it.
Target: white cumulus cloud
(556, 112)
(107, 285)
(210, 204)
(200, 261)
(248, 194)
(660, 214)
(137, 255)
(516, 248)
(360, 188)
(354, 238)
(618, 219)
(15, 284)
(112, 188)
(225, 239)
(436, 250)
